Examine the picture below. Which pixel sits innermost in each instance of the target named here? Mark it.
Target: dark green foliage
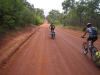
(77, 14)
(18, 13)
(84, 28)
(55, 15)
(38, 20)
(56, 22)
(81, 12)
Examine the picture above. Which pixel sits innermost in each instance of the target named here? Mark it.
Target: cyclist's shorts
(52, 29)
(92, 38)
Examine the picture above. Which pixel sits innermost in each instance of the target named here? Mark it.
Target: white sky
(47, 5)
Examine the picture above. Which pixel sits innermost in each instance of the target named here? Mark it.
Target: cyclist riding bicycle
(52, 26)
(93, 34)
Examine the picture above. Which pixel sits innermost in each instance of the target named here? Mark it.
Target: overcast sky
(47, 5)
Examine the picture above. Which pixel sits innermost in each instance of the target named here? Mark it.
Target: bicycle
(52, 34)
(92, 49)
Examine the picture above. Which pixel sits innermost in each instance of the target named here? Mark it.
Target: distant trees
(15, 14)
(55, 16)
(81, 12)
(77, 13)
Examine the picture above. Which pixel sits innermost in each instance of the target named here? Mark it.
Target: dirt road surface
(42, 55)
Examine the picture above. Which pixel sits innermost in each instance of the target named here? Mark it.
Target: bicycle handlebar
(83, 37)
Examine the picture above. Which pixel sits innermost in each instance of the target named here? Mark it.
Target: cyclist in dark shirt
(52, 26)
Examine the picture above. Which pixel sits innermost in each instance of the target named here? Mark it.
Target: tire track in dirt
(12, 49)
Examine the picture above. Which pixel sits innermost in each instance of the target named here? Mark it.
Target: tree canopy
(15, 14)
(77, 13)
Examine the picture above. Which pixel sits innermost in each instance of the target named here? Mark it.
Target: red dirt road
(41, 55)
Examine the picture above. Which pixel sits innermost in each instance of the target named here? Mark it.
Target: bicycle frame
(91, 49)
(52, 34)
(90, 44)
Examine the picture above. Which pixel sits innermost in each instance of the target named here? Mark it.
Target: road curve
(42, 55)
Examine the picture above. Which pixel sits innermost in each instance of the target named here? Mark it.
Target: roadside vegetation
(77, 14)
(18, 14)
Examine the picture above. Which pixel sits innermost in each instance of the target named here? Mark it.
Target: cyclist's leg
(88, 39)
(51, 29)
(94, 39)
(94, 49)
(53, 32)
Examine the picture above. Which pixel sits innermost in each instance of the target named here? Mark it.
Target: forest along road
(42, 55)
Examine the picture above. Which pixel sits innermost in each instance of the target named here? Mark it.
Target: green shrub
(38, 20)
(84, 28)
(56, 22)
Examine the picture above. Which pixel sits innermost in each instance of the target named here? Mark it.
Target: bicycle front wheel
(93, 50)
(84, 48)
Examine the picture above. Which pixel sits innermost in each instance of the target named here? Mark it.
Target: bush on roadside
(84, 28)
(56, 22)
(38, 20)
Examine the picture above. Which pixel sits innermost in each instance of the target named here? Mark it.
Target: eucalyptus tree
(40, 12)
(82, 11)
(54, 15)
(81, 8)
(10, 13)
(17, 13)
(93, 8)
(69, 7)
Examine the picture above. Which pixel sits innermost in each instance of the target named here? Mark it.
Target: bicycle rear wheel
(52, 36)
(84, 48)
(93, 50)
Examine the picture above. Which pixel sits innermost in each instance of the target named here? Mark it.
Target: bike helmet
(88, 24)
(52, 23)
